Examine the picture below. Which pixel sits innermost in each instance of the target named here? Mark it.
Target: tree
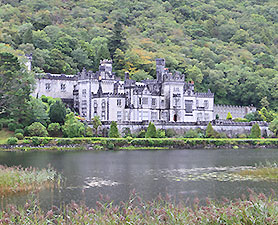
(57, 112)
(210, 132)
(16, 84)
(117, 40)
(255, 131)
(54, 129)
(274, 126)
(96, 124)
(266, 115)
(151, 131)
(229, 116)
(37, 129)
(73, 127)
(113, 131)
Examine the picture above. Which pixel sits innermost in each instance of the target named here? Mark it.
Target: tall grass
(257, 209)
(18, 179)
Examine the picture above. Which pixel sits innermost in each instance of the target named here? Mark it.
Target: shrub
(151, 131)
(19, 136)
(36, 141)
(255, 131)
(57, 112)
(19, 131)
(210, 132)
(113, 131)
(191, 134)
(141, 134)
(1, 126)
(54, 129)
(37, 129)
(73, 127)
(274, 126)
(170, 133)
(6, 121)
(89, 132)
(126, 132)
(12, 126)
(96, 124)
(160, 133)
(222, 135)
(229, 116)
(240, 120)
(12, 141)
(242, 136)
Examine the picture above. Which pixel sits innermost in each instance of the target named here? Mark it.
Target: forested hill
(229, 46)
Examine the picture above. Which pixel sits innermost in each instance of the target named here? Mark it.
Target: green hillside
(228, 46)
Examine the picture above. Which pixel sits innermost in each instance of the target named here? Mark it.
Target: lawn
(4, 135)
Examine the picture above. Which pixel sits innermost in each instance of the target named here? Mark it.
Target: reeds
(21, 180)
(257, 209)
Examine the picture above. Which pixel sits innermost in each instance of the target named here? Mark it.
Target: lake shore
(98, 143)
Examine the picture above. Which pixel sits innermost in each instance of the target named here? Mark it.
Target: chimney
(160, 65)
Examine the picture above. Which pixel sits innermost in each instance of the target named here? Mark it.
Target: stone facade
(168, 98)
(236, 111)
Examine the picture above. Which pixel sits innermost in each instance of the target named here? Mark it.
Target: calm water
(180, 173)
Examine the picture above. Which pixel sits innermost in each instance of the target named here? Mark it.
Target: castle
(168, 98)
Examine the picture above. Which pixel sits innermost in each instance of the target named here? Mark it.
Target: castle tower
(105, 69)
(160, 65)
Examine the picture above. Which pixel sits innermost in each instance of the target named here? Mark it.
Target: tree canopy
(229, 47)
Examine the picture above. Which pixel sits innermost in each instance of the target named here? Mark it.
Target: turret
(160, 65)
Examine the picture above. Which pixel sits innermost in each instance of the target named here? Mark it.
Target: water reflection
(180, 173)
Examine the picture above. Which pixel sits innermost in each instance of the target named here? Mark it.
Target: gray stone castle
(168, 98)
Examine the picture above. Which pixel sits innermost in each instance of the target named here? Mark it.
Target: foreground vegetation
(21, 180)
(257, 209)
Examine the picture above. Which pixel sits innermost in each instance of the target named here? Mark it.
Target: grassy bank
(99, 143)
(21, 180)
(257, 209)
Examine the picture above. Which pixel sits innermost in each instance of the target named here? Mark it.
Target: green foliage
(170, 133)
(266, 115)
(19, 136)
(73, 127)
(192, 134)
(160, 133)
(12, 141)
(54, 129)
(255, 131)
(37, 129)
(19, 131)
(1, 126)
(217, 117)
(89, 132)
(57, 112)
(126, 132)
(274, 126)
(210, 132)
(113, 131)
(151, 131)
(229, 116)
(254, 116)
(96, 124)
(12, 126)
(240, 120)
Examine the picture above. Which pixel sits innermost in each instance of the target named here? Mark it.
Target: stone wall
(236, 111)
(228, 127)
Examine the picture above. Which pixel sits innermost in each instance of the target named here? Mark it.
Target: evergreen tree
(255, 131)
(229, 116)
(151, 131)
(210, 133)
(96, 124)
(113, 131)
(118, 39)
(57, 112)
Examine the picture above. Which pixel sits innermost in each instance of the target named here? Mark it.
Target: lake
(181, 173)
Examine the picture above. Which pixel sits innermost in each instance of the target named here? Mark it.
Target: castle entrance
(175, 118)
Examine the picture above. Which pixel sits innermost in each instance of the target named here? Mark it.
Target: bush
(54, 129)
(12, 141)
(19, 136)
(192, 134)
(255, 131)
(36, 141)
(12, 126)
(229, 116)
(126, 132)
(6, 121)
(140, 134)
(21, 131)
(37, 129)
(1, 126)
(170, 133)
(151, 131)
(160, 133)
(240, 120)
(89, 132)
(242, 136)
(113, 131)
(73, 127)
(210, 132)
